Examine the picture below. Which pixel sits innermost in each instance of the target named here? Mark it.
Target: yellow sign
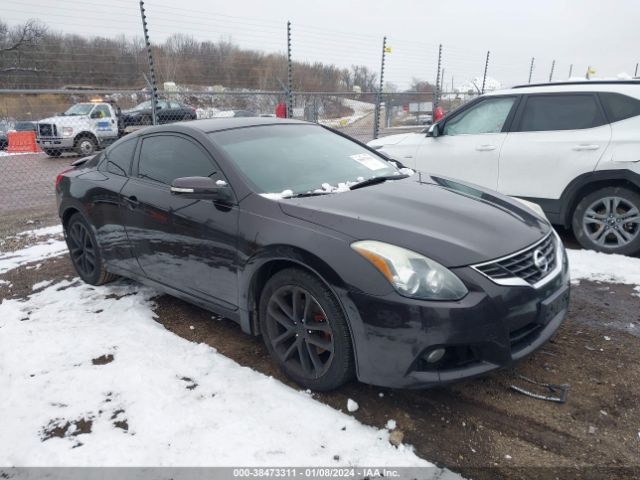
(387, 49)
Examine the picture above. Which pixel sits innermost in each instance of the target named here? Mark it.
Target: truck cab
(83, 129)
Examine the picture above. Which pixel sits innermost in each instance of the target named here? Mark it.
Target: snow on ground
(89, 378)
(360, 110)
(602, 267)
(51, 246)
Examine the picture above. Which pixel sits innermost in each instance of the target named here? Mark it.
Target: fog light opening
(435, 355)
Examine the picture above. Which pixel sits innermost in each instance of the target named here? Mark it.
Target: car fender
(571, 194)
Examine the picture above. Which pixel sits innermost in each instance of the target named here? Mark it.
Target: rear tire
(608, 220)
(85, 252)
(305, 330)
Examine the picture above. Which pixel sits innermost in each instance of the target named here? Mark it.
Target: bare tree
(16, 40)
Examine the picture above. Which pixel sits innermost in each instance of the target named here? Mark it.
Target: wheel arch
(83, 134)
(589, 182)
(262, 266)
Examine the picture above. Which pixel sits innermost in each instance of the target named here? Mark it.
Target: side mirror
(434, 130)
(201, 188)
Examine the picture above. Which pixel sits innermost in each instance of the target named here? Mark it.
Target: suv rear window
(560, 112)
(619, 107)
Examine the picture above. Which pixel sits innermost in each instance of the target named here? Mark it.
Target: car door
(105, 124)
(105, 207)
(468, 144)
(555, 138)
(187, 244)
(163, 112)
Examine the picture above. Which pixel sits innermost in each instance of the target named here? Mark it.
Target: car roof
(224, 123)
(626, 87)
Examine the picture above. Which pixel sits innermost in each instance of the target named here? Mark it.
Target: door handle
(132, 202)
(485, 148)
(586, 146)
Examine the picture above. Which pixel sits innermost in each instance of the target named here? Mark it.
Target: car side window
(117, 159)
(560, 112)
(175, 105)
(101, 111)
(163, 158)
(619, 107)
(488, 116)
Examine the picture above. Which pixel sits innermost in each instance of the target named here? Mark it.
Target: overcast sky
(605, 35)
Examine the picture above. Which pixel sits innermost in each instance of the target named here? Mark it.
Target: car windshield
(287, 160)
(79, 109)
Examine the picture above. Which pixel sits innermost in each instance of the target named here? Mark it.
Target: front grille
(523, 264)
(47, 130)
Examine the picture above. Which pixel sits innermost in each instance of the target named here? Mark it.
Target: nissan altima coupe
(346, 264)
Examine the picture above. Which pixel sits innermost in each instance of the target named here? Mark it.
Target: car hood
(62, 119)
(453, 223)
(393, 139)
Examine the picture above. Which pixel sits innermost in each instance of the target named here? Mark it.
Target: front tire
(85, 252)
(608, 220)
(305, 330)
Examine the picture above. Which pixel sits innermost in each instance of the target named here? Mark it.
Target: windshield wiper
(307, 194)
(376, 180)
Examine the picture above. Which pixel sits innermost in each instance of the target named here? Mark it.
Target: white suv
(573, 148)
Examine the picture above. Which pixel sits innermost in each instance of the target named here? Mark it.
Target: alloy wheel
(299, 331)
(611, 222)
(82, 250)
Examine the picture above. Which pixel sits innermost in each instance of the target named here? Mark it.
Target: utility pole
(570, 70)
(376, 115)
(531, 69)
(553, 65)
(636, 74)
(152, 72)
(486, 66)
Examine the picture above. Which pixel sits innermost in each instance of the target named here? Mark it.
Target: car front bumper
(492, 327)
(55, 142)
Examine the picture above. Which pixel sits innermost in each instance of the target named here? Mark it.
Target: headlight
(411, 274)
(67, 131)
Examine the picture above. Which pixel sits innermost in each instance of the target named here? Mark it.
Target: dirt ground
(479, 428)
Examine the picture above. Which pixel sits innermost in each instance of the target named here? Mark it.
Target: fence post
(289, 74)
(553, 65)
(531, 69)
(486, 66)
(436, 96)
(152, 70)
(376, 115)
(570, 70)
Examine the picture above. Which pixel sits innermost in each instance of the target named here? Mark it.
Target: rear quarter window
(619, 107)
(560, 112)
(117, 159)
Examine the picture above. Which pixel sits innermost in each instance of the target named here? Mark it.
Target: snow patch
(604, 267)
(95, 381)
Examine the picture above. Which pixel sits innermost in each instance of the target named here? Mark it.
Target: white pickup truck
(83, 128)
